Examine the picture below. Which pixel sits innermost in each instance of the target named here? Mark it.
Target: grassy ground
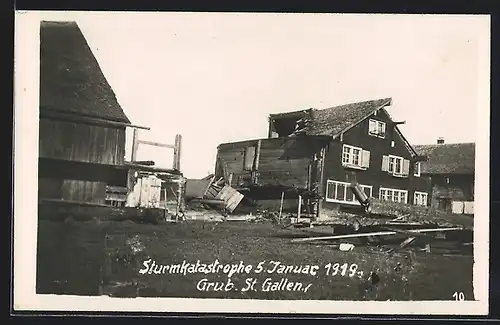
(71, 260)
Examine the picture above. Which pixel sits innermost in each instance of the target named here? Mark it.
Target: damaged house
(451, 168)
(310, 158)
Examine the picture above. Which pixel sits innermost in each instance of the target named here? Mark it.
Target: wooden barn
(451, 167)
(311, 157)
(82, 126)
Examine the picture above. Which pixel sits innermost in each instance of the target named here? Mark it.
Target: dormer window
(376, 128)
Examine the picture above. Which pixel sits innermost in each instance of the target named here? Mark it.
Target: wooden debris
(405, 243)
(208, 201)
(379, 233)
(406, 232)
(217, 191)
(231, 197)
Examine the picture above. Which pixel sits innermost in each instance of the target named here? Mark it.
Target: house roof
(452, 158)
(338, 119)
(334, 120)
(71, 80)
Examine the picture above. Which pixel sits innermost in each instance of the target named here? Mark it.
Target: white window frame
(344, 201)
(423, 196)
(350, 157)
(393, 195)
(416, 171)
(377, 128)
(401, 159)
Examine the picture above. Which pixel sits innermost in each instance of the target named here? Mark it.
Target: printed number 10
(459, 296)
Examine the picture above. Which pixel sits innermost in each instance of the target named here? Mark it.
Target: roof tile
(453, 158)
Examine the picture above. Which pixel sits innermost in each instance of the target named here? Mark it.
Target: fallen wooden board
(208, 201)
(231, 197)
(379, 233)
(407, 241)
(406, 232)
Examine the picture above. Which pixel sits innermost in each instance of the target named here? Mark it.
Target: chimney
(440, 140)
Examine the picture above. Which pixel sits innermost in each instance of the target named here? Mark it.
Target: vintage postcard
(252, 163)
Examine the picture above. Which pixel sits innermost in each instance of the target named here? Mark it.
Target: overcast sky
(214, 78)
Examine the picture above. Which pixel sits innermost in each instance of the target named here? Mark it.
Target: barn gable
(71, 80)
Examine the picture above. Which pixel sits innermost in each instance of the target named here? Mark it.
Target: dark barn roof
(71, 80)
(453, 158)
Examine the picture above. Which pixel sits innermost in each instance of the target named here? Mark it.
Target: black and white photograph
(252, 162)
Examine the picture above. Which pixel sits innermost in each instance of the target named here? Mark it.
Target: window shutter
(406, 167)
(249, 158)
(365, 159)
(385, 163)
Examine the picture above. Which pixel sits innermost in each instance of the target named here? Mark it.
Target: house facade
(375, 154)
(451, 168)
(82, 126)
(315, 155)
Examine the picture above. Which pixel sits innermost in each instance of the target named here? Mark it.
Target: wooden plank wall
(282, 161)
(81, 142)
(72, 190)
(84, 191)
(63, 169)
(49, 188)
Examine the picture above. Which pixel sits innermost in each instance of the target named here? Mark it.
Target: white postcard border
(25, 221)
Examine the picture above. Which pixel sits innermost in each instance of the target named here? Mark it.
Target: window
(416, 171)
(341, 193)
(376, 128)
(355, 157)
(420, 198)
(395, 195)
(396, 166)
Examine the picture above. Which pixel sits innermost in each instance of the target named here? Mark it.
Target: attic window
(376, 128)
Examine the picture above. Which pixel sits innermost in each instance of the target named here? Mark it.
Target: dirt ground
(107, 258)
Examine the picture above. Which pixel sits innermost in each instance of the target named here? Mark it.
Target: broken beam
(380, 233)
(208, 201)
(406, 232)
(405, 243)
(156, 144)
